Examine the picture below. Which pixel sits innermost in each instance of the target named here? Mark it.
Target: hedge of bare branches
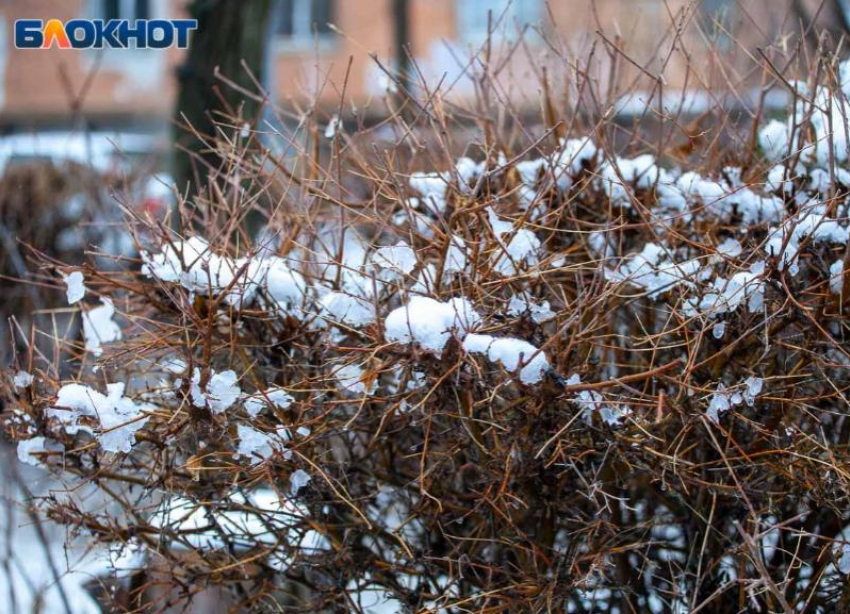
(553, 369)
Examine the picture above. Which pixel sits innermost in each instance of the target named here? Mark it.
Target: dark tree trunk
(401, 34)
(842, 8)
(229, 32)
(832, 15)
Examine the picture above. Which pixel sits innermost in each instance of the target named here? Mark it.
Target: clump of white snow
(285, 287)
(429, 322)
(616, 175)
(125, 559)
(220, 393)
(518, 246)
(726, 295)
(774, 140)
(725, 399)
(591, 401)
(22, 379)
(99, 327)
(347, 309)
(836, 277)
(844, 559)
(27, 447)
(194, 265)
(399, 257)
(654, 270)
(812, 224)
(753, 388)
(353, 379)
(278, 397)
(573, 156)
(240, 523)
(333, 127)
(118, 416)
(511, 353)
(524, 304)
(433, 188)
(456, 260)
(75, 287)
(258, 446)
(298, 480)
(730, 247)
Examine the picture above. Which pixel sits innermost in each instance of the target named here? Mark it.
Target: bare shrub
(570, 365)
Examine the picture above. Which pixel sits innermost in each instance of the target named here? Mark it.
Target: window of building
(718, 16)
(301, 20)
(714, 7)
(507, 20)
(125, 9)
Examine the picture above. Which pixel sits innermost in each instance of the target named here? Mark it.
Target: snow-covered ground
(40, 573)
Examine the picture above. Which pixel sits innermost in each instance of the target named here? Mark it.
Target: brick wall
(127, 85)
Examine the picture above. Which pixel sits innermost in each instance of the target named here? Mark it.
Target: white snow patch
(730, 247)
(433, 188)
(836, 277)
(726, 295)
(222, 390)
(119, 416)
(591, 401)
(194, 265)
(259, 446)
(510, 353)
(523, 303)
(298, 480)
(654, 270)
(352, 378)
(844, 560)
(725, 399)
(76, 289)
(520, 249)
(333, 127)
(774, 140)
(347, 309)
(429, 322)
(399, 257)
(240, 523)
(513, 352)
(26, 448)
(456, 256)
(275, 396)
(99, 327)
(22, 379)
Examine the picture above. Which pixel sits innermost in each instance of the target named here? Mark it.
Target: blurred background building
(311, 42)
